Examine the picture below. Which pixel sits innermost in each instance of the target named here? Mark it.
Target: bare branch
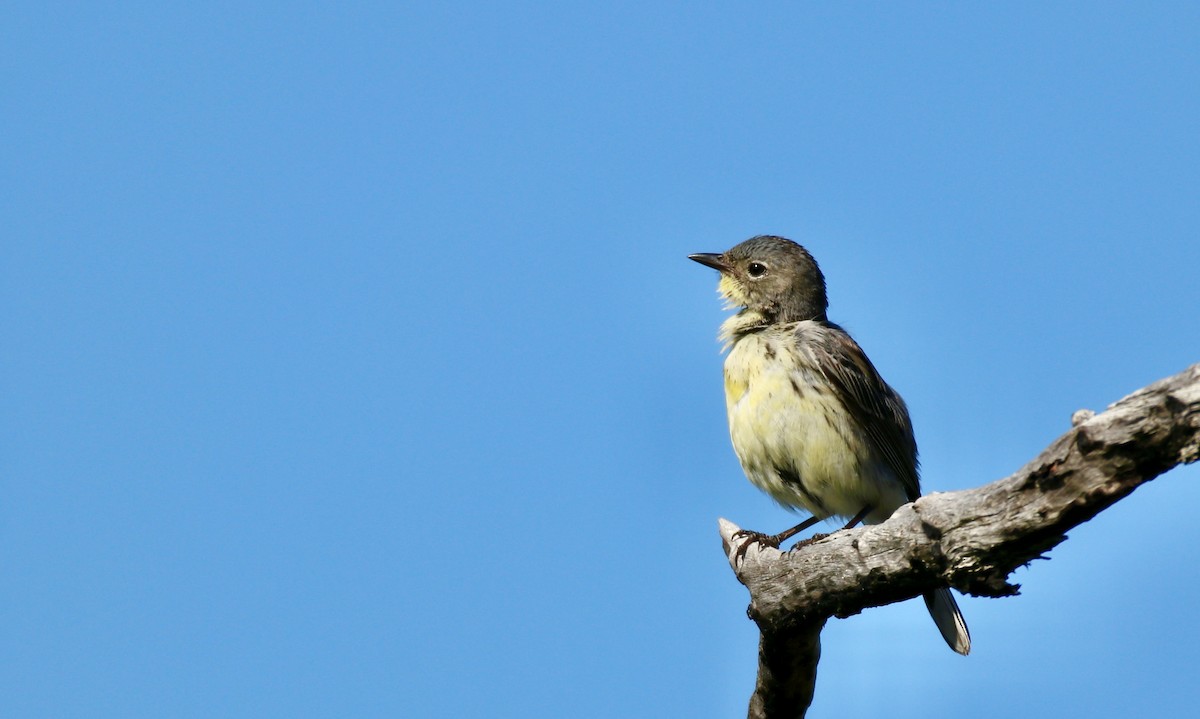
(971, 540)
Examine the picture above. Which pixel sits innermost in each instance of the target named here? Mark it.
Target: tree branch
(971, 540)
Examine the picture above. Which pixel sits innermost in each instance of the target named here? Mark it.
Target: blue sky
(353, 366)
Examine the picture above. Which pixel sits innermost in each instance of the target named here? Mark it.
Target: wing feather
(877, 407)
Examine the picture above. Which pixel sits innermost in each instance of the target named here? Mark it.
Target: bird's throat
(746, 321)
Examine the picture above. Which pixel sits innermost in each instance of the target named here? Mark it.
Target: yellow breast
(786, 424)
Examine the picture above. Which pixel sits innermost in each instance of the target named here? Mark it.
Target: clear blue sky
(352, 365)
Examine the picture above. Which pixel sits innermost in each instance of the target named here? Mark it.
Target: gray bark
(971, 540)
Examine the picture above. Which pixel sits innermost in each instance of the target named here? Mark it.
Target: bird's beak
(710, 259)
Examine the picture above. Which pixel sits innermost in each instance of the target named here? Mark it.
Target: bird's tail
(949, 619)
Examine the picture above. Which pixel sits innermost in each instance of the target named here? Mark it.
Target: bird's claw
(752, 537)
(807, 541)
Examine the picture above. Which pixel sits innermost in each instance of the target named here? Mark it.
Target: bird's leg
(771, 540)
(859, 517)
(849, 525)
(774, 540)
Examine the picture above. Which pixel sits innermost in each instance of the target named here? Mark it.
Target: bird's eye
(756, 269)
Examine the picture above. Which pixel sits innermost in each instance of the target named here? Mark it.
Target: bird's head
(772, 276)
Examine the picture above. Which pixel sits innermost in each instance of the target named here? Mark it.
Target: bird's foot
(752, 537)
(807, 541)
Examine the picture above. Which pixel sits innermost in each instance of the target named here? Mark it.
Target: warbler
(812, 422)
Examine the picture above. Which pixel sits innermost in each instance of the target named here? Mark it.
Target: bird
(812, 422)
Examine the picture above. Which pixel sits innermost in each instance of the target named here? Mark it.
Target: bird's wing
(875, 405)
